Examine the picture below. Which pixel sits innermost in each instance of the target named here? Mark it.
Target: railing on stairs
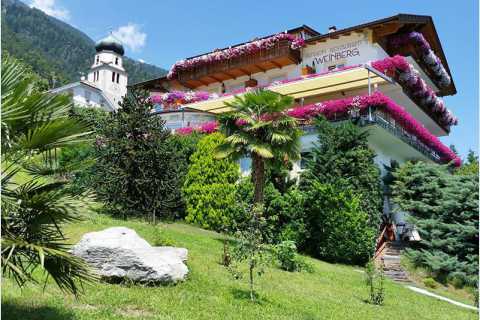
(383, 239)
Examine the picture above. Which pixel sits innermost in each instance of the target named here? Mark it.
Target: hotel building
(388, 75)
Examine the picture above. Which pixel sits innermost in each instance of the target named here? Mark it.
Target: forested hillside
(55, 50)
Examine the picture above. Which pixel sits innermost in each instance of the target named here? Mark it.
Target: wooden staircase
(390, 256)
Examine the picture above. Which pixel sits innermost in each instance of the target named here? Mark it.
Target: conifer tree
(137, 163)
(444, 208)
(343, 158)
(209, 187)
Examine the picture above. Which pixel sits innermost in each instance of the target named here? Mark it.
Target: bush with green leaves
(136, 162)
(184, 146)
(284, 212)
(444, 209)
(430, 283)
(343, 158)
(338, 228)
(210, 185)
(288, 258)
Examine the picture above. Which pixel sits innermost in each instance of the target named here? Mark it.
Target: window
(113, 76)
(116, 60)
(118, 77)
(98, 59)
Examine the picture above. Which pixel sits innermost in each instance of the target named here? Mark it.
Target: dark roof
(110, 43)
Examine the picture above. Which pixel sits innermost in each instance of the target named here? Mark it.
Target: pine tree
(137, 162)
(444, 208)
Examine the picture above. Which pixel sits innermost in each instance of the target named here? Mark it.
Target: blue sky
(161, 32)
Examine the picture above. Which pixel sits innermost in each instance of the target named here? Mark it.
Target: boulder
(120, 253)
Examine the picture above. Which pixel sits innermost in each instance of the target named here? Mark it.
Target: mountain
(55, 50)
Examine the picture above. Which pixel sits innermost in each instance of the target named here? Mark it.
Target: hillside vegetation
(330, 292)
(56, 51)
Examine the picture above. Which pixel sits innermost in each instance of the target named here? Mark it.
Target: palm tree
(34, 203)
(258, 126)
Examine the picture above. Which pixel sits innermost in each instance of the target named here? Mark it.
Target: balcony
(277, 56)
(384, 121)
(357, 80)
(378, 122)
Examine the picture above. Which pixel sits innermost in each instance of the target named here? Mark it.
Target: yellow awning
(329, 83)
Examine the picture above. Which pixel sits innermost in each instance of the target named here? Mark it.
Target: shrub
(184, 146)
(209, 186)
(283, 213)
(430, 283)
(338, 230)
(287, 256)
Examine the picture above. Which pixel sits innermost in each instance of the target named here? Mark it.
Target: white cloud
(131, 36)
(141, 60)
(51, 8)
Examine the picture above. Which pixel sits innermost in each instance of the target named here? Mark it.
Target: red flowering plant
(426, 53)
(333, 108)
(410, 79)
(234, 52)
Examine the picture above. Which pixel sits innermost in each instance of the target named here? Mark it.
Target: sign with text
(345, 51)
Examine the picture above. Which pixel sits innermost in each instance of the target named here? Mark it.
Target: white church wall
(87, 97)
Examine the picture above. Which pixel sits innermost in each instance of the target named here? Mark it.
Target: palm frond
(35, 123)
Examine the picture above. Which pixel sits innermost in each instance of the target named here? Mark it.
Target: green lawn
(330, 292)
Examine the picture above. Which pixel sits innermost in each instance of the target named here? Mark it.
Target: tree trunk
(258, 177)
(252, 294)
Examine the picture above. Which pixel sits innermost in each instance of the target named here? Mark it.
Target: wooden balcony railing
(281, 54)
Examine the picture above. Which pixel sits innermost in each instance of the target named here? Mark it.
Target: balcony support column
(369, 94)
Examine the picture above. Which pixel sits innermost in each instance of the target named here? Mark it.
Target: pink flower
(209, 127)
(184, 131)
(341, 106)
(234, 52)
(241, 122)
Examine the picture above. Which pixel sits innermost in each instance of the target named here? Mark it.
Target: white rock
(120, 252)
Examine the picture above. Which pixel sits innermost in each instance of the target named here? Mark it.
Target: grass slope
(330, 292)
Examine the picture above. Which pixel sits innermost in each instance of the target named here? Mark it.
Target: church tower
(107, 72)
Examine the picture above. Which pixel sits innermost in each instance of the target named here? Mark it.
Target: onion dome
(110, 43)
